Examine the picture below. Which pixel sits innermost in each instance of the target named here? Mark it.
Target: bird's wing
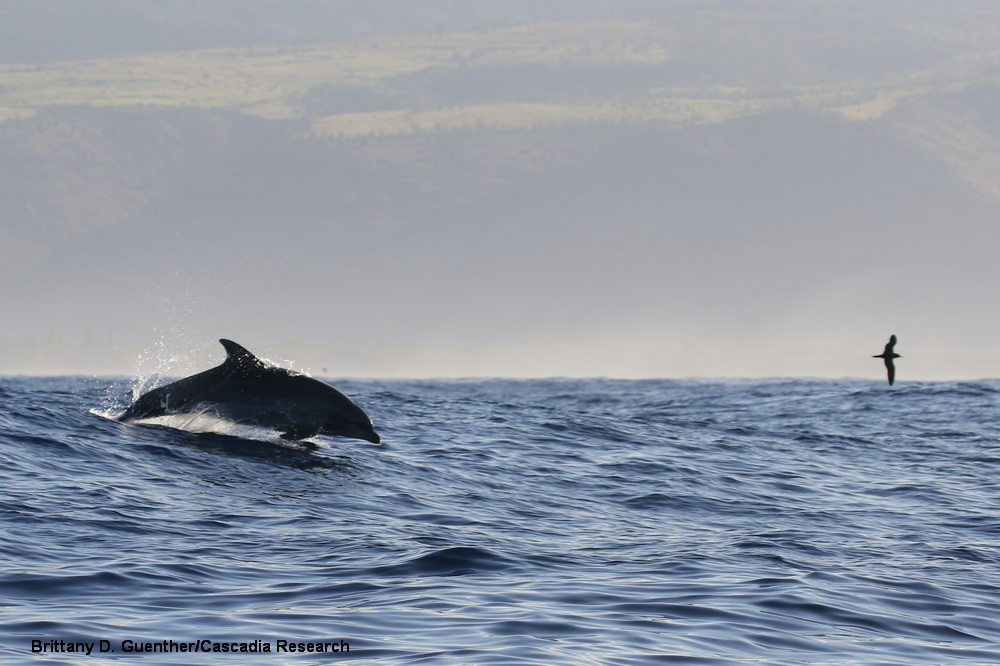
(891, 367)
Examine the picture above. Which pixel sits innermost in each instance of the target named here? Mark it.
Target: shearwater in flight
(888, 355)
(248, 391)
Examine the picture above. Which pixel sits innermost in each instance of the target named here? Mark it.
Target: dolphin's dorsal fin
(238, 355)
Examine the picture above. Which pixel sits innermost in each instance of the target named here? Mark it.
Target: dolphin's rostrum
(248, 391)
(888, 355)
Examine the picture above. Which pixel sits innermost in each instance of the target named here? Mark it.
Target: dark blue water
(515, 522)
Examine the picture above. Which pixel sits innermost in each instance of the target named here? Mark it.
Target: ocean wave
(515, 521)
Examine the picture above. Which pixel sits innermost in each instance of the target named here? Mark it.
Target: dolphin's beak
(365, 432)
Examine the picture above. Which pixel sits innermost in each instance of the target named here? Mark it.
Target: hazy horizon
(422, 190)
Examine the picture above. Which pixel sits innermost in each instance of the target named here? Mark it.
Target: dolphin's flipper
(299, 432)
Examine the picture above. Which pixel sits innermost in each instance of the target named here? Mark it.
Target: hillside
(465, 170)
(90, 142)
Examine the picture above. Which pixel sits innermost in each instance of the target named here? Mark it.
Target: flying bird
(888, 355)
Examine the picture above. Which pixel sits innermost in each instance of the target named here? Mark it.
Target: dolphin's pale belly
(281, 415)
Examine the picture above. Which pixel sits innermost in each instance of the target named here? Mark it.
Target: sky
(721, 190)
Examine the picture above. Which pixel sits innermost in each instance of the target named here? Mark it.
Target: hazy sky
(751, 189)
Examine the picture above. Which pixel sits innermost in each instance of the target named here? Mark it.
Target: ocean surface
(511, 522)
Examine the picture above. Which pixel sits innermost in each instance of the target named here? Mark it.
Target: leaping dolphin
(888, 355)
(248, 391)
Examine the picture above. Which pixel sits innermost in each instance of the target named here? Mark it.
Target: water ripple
(507, 521)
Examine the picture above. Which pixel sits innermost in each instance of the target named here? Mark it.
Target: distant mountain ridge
(45, 31)
(444, 148)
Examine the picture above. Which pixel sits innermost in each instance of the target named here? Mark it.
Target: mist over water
(528, 521)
